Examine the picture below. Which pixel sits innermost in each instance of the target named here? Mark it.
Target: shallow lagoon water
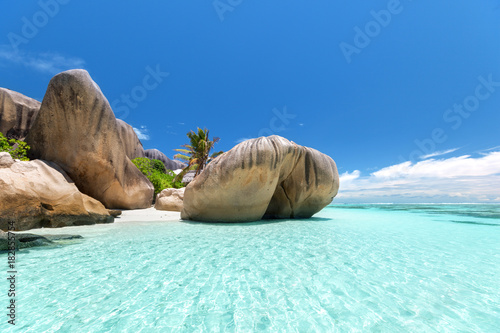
(351, 268)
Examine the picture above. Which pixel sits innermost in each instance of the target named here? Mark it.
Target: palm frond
(197, 152)
(214, 155)
(182, 157)
(184, 151)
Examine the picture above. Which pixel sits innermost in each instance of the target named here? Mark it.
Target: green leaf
(155, 171)
(16, 148)
(198, 150)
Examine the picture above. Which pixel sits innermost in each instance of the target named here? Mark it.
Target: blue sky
(403, 95)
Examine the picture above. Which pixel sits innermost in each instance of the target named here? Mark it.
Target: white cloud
(240, 140)
(445, 168)
(46, 62)
(141, 133)
(348, 177)
(438, 153)
(456, 179)
(484, 151)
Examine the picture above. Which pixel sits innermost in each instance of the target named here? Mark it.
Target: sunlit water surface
(351, 268)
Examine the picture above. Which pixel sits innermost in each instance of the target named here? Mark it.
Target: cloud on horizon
(45, 62)
(455, 179)
(141, 133)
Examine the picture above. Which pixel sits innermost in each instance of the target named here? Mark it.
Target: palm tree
(197, 152)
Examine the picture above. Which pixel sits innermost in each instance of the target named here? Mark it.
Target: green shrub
(16, 148)
(159, 166)
(143, 164)
(155, 171)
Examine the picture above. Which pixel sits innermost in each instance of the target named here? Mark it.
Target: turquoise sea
(351, 268)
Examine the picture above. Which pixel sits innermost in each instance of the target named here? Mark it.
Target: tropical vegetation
(16, 148)
(197, 152)
(158, 175)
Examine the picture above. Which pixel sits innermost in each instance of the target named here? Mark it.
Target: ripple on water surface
(365, 268)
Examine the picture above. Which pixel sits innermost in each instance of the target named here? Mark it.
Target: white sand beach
(135, 217)
(148, 215)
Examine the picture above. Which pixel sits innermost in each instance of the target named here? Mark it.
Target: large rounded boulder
(77, 129)
(268, 177)
(16, 113)
(131, 143)
(38, 194)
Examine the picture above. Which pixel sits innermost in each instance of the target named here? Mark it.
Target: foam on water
(389, 268)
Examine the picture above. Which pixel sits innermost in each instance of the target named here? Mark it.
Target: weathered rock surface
(25, 240)
(170, 199)
(188, 177)
(16, 113)
(114, 212)
(6, 160)
(268, 177)
(38, 194)
(131, 143)
(155, 154)
(77, 129)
